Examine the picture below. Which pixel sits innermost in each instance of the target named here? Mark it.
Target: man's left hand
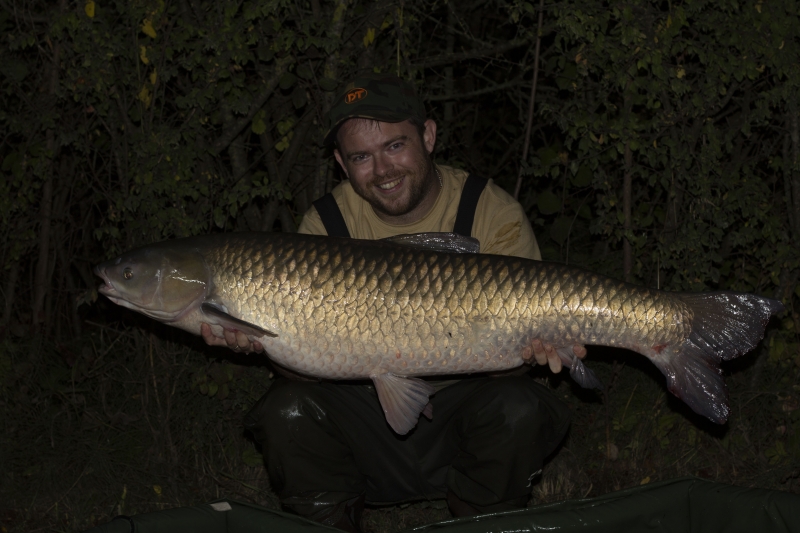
(235, 340)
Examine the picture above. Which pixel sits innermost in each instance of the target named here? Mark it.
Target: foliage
(698, 92)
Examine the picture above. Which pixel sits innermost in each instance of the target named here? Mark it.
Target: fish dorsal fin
(230, 322)
(403, 399)
(438, 242)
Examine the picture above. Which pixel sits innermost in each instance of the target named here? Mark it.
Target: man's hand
(235, 340)
(545, 354)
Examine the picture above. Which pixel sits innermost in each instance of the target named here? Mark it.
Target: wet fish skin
(349, 309)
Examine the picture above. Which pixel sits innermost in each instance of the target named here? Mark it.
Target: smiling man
(327, 446)
(382, 163)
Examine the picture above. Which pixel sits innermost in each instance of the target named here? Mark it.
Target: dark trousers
(325, 443)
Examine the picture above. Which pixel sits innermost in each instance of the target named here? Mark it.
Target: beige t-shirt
(500, 224)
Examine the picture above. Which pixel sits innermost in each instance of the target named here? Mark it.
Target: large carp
(352, 309)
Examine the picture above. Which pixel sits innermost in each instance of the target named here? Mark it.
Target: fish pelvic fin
(725, 325)
(231, 322)
(582, 374)
(403, 399)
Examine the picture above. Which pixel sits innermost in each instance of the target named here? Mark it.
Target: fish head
(159, 282)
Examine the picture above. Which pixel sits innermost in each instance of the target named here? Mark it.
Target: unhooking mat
(687, 505)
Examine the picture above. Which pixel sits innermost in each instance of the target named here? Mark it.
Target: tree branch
(230, 133)
(445, 59)
(478, 92)
(298, 141)
(527, 142)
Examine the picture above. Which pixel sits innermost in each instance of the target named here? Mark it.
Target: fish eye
(127, 273)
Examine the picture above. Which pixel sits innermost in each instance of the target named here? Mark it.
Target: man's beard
(417, 180)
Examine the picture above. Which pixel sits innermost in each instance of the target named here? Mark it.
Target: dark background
(664, 149)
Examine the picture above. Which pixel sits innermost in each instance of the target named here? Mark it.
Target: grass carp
(352, 309)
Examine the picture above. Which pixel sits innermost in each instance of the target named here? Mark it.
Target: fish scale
(349, 309)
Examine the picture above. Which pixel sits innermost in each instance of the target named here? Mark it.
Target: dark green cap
(380, 97)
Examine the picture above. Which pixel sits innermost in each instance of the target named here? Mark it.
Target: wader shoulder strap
(331, 216)
(470, 194)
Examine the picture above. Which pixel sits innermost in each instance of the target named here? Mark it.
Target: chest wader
(335, 225)
(328, 448)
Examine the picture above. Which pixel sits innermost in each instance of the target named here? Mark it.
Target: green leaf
(583, 178)
(224, 391)
(219, 217)
(567, 76)
(283, 144)
(548, 203)
(287, 80)
(265, 53)
(14, 69)
(305, 72)
(259, 126)
(547, 155)
(327, 84)
(13, 161)
(252, 458)
(299, 98)
(560, 229)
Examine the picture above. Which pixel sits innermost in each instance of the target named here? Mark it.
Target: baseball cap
(380, 97)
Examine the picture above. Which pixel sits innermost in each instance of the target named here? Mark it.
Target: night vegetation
(664, 149)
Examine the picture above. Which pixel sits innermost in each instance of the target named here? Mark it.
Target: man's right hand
(545, 354)
(235, 340)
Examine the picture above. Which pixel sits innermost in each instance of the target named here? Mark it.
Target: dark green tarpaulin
(686, 505)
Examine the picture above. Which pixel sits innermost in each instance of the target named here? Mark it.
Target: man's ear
(338, 157)
(429, 136)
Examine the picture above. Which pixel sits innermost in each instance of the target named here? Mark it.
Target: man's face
(390, 167)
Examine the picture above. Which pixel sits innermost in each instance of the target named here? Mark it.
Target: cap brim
(381, 116)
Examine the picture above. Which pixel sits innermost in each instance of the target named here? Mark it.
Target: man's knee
(524, 407)
(287, 405)
(508, 427)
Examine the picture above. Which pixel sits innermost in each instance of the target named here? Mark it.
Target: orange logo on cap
(354, 95)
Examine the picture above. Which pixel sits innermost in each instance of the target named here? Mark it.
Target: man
(327, 446)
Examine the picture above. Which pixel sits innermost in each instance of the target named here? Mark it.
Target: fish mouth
(106, 289)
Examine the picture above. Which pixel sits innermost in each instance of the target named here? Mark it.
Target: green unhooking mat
(685, 505)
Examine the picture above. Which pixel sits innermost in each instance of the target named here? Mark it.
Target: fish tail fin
(729, 324)
(696, 378)
(725, 325)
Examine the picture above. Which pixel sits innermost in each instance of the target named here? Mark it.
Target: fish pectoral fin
(582, 375)
(438, 242)
(230, 322)
(403, 399)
